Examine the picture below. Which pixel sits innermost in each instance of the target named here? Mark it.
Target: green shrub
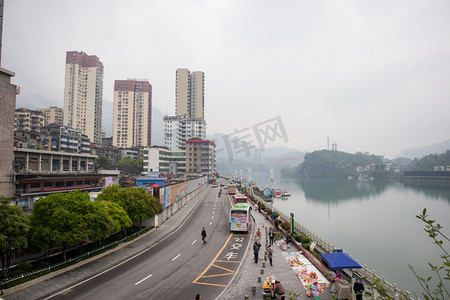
(276, 215)
(306, 245)
(306, 240)
(286, 226)
(26, 266)
(263, 207)
(297, 237)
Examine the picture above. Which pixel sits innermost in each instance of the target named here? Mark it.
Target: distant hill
(333, 164)
(420, 152)
(238, 155)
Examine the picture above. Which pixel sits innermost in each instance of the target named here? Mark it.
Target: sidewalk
(249, 273)
(44, 286)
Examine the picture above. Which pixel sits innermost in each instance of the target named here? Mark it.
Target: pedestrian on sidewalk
(269, 255)
(288, 238)
(358, 287)
(259, 207)
(204, 235)
(258, 233)
(271, 236)
(278, 290)
(256, 247)
(276, 224)
(197, 297)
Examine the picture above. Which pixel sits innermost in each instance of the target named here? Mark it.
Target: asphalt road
(180, 266)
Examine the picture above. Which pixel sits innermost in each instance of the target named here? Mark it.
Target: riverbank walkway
(250, 271)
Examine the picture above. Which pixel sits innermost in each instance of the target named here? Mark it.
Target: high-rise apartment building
(132, 113)
(83, 94)
(52, 115)
(190, 93)
(179, 129)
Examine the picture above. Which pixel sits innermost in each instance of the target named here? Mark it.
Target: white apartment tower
(132, 113)
(190, 94)
(179, 129)
(83, 94)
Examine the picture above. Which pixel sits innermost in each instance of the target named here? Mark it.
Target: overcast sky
(372, 75)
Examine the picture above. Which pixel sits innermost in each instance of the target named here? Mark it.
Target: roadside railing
(70, 261)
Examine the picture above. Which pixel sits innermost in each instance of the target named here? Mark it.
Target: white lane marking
(213, 212)
(176, 257)
(193, 242)
(143, 279)
(212, 217)
(210, 223)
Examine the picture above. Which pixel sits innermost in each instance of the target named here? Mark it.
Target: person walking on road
(358, 287)
(271, 236)
(256, 247)
(204, 235)
(270, 255)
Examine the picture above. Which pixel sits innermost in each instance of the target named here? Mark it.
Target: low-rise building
(200, 157)
(162, 160)
(67, 139)
(38, 173)
(28, 120)
(52, 115)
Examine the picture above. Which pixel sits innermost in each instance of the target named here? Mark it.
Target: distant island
(338, 164)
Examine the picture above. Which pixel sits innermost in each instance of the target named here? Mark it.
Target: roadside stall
(268, 284)
(339, 261)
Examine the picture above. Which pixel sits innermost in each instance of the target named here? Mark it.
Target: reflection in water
(373, 220)
(337, 190)
(431, 189)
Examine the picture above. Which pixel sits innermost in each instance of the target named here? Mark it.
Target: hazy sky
(372, 75)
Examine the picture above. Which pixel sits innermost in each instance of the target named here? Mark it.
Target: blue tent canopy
(340, 261)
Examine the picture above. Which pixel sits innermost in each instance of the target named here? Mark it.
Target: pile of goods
(338, 277)
(313, 281)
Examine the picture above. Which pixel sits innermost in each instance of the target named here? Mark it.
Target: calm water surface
(372, 221)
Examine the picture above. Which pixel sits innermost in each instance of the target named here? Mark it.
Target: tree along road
(180, 266)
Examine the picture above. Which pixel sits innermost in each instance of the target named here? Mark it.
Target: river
(373, 221)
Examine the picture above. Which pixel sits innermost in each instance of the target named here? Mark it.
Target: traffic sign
(267, 192)
(278, 193)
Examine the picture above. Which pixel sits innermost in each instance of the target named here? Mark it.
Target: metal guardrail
(364, 273)
(71, 260)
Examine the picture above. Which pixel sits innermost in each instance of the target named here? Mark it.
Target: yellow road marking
(229, 199)
(229, 261)
(211, 263)
(223, 268)
(214, 284)
(217, 275)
